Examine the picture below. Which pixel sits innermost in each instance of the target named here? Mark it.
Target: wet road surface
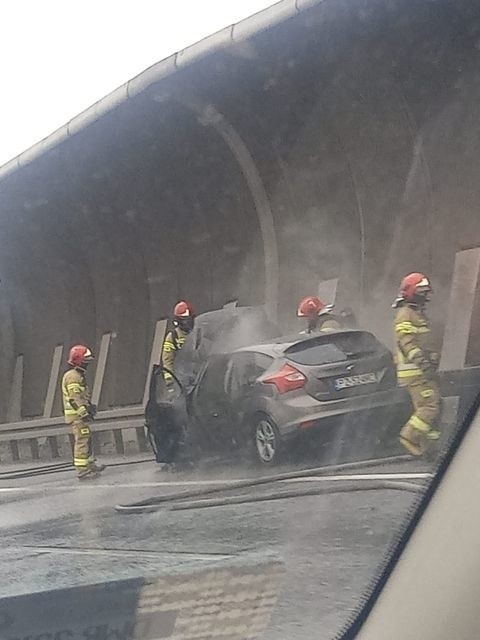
(57, 532)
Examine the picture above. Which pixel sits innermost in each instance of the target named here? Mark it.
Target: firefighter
(318, 315)
(417, 363)
(183, 321)
(79, 411)
(169, 435)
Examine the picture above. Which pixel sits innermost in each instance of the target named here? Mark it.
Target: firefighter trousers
(82, 449)
(425, 395)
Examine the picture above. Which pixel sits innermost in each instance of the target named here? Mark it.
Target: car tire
(267, 441)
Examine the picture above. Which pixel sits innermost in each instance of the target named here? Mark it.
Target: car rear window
(333, 348)
(357, 343)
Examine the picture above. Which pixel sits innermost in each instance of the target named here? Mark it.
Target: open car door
(165, 417)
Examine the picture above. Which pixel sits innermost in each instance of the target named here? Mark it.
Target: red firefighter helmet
(183, 310)
(184, 316)
(415, 287)
(311, 307)
(79, 356)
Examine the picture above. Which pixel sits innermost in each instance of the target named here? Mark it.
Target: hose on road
(345, 487)
(157, 502)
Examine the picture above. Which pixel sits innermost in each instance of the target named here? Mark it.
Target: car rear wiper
(358, 354)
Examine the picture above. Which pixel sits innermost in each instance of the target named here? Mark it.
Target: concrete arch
(209, 115)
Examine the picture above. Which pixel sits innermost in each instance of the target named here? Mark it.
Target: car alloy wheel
(266, 441)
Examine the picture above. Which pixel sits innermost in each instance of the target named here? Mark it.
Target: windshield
(309, 171)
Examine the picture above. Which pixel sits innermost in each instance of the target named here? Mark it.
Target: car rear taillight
(287, 379)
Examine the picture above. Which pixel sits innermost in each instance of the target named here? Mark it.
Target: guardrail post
(53, 381)
(327, 290)
(14, 412)
(460, 310)
(458, 326)
(155, 354)
(101, 366)
(102, 441)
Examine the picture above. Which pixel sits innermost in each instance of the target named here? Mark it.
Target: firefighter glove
(435, 359)
(428, 369)
(83, 413)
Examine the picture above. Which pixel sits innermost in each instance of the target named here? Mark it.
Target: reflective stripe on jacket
(76, 395)
(414, 344)
(173, 342)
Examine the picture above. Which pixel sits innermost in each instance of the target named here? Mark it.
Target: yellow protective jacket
(329, 322)
(326, 322)
(172, 344)
(415, 346)
(76, 395)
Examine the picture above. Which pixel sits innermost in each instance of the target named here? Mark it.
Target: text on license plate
(354, 381)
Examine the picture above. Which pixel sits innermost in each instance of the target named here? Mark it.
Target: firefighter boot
(89, 473)
(413, 440)
(98, 468)
(432, 439)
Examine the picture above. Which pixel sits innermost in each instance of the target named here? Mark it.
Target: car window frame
(256, 355)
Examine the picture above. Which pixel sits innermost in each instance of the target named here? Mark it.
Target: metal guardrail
(452, 383)
(462, 385)
(50, 438)
(124, 418)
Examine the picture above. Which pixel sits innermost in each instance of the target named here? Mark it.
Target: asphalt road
(57, 532)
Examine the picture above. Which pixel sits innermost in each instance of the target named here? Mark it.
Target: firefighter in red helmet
(170, 437)
(417, 363)
(79, 411)
(183, 322)
(318, 314)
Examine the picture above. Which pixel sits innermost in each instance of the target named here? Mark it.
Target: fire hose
(181, 500)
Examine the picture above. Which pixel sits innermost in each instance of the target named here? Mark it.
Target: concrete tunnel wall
(351, 129)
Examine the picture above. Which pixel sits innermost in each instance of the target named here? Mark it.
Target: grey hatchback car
(264, 398)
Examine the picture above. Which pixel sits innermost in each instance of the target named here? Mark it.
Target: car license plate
(355, 381)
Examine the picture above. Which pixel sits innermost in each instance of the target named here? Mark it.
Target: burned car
(261, 400)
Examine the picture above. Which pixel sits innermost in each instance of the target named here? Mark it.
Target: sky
(57, 57)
